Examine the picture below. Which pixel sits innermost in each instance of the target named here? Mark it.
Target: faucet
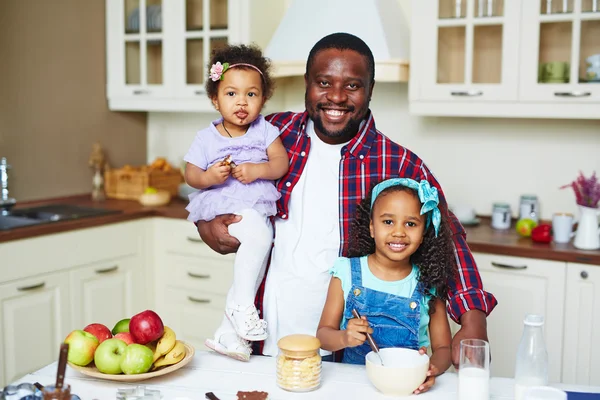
(6, 203)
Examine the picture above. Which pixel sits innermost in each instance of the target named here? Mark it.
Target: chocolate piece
(229, 161)
(254, 395)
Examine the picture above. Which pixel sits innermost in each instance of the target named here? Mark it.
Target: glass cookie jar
(299, 363)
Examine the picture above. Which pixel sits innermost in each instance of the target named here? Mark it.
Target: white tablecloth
(209, 372)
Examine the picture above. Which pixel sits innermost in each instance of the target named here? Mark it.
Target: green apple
(121, 326)
(82, 346)
(137, 359)
(525, 226)
(108, 356)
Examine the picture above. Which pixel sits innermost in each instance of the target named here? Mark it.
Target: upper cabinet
(158, 50)
(505, 58)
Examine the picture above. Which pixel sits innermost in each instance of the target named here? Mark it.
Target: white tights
(255, 233)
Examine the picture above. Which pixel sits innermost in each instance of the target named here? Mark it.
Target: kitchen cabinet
(158, 50)
(467, 53)
(53, 284)
(523, 286)
(34, 320)
(581, 352)
(487, 58)
(191, 281)
(106, 292)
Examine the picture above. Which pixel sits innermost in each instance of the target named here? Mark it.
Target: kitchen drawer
(192, 315)
(181, 237)
(50, 253)
(202, 274)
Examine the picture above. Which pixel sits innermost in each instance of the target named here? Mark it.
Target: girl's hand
(355, 333)
(431, 374)
(219, 172)
(246, 173)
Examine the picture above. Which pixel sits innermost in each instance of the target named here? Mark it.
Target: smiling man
(336, 155)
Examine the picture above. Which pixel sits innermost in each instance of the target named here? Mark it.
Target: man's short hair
(343, 41)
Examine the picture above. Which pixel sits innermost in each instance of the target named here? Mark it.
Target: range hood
(380, 23)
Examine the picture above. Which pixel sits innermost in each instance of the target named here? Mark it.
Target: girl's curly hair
(434, 257)
(247, 54)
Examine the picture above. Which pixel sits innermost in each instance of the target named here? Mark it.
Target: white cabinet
(556, 42)
(523, 286)
(34, 320)
(581, 353)
(191, 281)
(53, 284)
(158, 50)
(466, 54)
(107, 292)
(499, 58)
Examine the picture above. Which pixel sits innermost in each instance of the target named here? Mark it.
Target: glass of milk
(474, 370)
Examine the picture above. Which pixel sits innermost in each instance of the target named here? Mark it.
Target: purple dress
(210, 147)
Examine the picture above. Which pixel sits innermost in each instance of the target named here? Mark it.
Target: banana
(176, 354)
(165, 343)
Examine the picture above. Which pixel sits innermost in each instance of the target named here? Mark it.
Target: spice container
(299, 363)
(501, 216)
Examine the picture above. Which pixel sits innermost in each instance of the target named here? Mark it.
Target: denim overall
(394, 319)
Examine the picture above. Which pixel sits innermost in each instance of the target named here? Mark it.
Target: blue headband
(427, 195)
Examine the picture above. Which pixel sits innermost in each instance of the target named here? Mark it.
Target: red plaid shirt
(369, 158)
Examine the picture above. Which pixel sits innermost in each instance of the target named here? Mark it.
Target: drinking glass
(474, 370)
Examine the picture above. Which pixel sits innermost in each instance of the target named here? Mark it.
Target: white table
(209, 372)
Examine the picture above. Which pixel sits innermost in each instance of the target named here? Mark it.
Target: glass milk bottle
(531, 368)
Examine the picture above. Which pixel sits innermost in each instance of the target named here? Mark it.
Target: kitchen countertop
(481, 238)
(209, 372)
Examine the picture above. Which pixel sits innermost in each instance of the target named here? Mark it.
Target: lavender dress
(210, 147)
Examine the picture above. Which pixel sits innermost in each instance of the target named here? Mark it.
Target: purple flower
(587, 190)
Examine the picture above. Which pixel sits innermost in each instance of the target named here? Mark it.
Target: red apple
(100, 331)
(124, 336)
(146, 327)
(82, 346)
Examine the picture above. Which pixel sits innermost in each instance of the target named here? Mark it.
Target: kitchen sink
(47, 214)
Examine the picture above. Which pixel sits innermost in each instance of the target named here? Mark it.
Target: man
(336, 155)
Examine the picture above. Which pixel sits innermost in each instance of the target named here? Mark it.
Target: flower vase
(587, 236)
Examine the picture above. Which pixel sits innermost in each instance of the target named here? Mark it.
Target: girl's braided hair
(435, 256)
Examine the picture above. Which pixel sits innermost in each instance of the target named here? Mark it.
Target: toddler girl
(400, 260)
(233, 163)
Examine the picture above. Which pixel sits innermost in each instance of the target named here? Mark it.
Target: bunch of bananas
(167, 350)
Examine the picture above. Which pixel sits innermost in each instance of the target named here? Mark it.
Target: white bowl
(403, 370)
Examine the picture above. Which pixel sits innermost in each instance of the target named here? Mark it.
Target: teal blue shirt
(404, 288)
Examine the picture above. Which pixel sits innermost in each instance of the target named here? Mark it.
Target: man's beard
(347, 131)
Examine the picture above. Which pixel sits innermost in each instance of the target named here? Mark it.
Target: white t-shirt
(306, 246)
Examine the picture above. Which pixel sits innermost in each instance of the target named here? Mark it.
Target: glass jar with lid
(299, 363)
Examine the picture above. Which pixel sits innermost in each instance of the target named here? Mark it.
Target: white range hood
(380, 23)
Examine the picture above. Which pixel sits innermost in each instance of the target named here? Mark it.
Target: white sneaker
(246, 322)
(230, 345)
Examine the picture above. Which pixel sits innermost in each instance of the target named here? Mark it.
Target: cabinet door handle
(195, 239)
(107, 270)
(32, 287)
(573, 94)
(199, 276)
(141, 91)
(200, 92)
(584, 275)
(467, 93)
(195, 300)
(495, 264)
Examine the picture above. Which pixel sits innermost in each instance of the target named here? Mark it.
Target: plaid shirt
(369, 158)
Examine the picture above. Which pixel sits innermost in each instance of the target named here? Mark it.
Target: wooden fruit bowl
(92, 371)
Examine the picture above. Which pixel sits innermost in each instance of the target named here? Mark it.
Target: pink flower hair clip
(217, 70)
